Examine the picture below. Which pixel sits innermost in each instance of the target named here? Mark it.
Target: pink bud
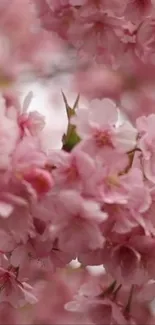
(40, 179)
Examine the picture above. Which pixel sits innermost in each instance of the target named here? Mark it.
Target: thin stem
(116, 291)
(128, 306)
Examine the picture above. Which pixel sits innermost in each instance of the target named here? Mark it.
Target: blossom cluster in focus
(93, 199)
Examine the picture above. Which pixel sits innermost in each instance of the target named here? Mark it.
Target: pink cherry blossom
(92, 200)
(32, 122)
(80, 224)
(95, 299)
(136, 10)
(124, 262)
(138, 103)
(88, 40)
(145, 40)
(56, 18)
(12, 290)
(21, 37)
(38, 257)
(107, 184)
(145, 126)
(28, 153)
(9, 135)
(73, 169)
(53, 4)
(98, 125)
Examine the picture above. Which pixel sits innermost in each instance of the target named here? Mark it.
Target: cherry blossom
(98, 125)
(93, 199)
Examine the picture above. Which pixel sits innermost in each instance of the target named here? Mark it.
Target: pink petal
(5, 209)
(103, 111)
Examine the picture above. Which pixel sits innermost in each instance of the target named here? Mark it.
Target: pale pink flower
(102, 112)
(146, 40)
(145, 246)
(145, 126)
(107, 184)
(57, 18)
(12, 290)
(122, 221)
(139, 307)
(45, 211)
(139, 197)
(16, 220)
(29, 166)
(9, 135)
(148, 220)
(21, 36)
(90, 257)
(128, 59)
(32, 122)
(98, 125)
(93, 35)
(71, 219)
(71, 169)
(50, 310)
(130, 258)
(38, 256)
(94, 299)
(124, 263)
(77, 2)
(19, 224)
(91, 6)
(139, 102)
(95, 203)
(136, 10)
(139, 192)
(28, 153)
(55, 5)
(7, 243)
(80, 220)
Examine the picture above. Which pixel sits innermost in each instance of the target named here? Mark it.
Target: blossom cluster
(94, 198)
(115, 40)
(25, 46)
(112, 32)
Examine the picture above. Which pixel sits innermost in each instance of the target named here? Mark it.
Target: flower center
(113, 180)
(103, 138)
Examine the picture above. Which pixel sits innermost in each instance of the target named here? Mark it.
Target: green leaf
(71, 138)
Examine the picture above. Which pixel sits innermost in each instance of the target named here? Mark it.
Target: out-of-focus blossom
(94, 200)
